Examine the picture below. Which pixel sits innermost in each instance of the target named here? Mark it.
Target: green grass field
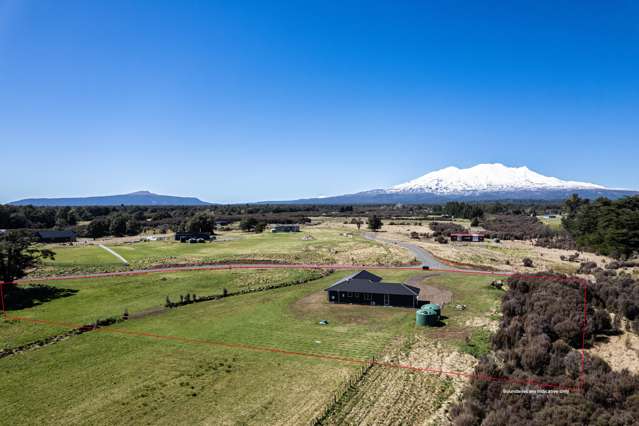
(121, 374)
(482, 306)
(326, 246)
(108, 297)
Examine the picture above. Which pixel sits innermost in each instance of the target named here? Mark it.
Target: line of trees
(604, 226)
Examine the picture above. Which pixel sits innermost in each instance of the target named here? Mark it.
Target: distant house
(365, 288)
(193, 236)
(56, 236)
(470, 236)
(285, 228)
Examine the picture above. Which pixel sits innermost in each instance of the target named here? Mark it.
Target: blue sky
(244, 101)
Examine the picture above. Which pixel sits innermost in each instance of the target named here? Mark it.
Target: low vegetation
(445, 228)
(538, 341)
(515, 227)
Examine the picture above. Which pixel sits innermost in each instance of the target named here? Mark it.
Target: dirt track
(432, 294)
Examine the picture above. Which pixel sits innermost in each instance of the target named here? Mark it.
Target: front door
(386, 299)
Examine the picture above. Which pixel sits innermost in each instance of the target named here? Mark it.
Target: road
(422, 255)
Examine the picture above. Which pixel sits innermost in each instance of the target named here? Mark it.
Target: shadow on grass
(440, 322)
(18, 297)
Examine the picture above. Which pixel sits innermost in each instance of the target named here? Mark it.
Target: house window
(350, 294)
(356, 295)
(367, 296)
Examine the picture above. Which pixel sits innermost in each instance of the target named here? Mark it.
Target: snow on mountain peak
(487, 178)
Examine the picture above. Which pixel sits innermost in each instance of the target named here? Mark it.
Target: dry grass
(503, 256)
(620, 352)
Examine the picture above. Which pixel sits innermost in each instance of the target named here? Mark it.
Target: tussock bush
(537, 341)
(516, 227)
(588, 268)
(445, 228)
(561, 241)
(617, 264)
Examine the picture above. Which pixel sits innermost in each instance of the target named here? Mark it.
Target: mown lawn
(101, 298)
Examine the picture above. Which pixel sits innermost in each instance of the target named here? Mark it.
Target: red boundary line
(114, 330)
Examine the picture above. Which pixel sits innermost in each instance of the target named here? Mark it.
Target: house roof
(363, 275)
(56, 234)
(359, 283)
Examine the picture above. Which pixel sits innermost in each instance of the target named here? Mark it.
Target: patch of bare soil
(430, 293)
(620, 352)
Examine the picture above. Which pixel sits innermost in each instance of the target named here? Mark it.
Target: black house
(186, 236)
(365, 288)
(56, 236)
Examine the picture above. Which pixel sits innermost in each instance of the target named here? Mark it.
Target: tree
(357, 222)
(248, 224)
(200, 222)
(375, 223)
(18, 253)
(98, 228)
(117, 226)
(132, 227)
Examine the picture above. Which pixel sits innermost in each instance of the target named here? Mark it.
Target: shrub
(445, 228)
(536, 341)
(527, 262)
(516, 227)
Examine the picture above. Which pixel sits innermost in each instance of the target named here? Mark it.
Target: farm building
(56, 236)
(187, 236)
(285, 228)
(365, 288)
(469, 236)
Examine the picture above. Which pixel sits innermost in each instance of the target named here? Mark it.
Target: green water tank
(428, 314)
(432, 307)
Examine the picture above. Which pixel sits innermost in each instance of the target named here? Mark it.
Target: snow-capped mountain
(487, 178)
(483, 182)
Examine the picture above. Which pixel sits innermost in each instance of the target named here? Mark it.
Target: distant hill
(139, 198)
(483, 182)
